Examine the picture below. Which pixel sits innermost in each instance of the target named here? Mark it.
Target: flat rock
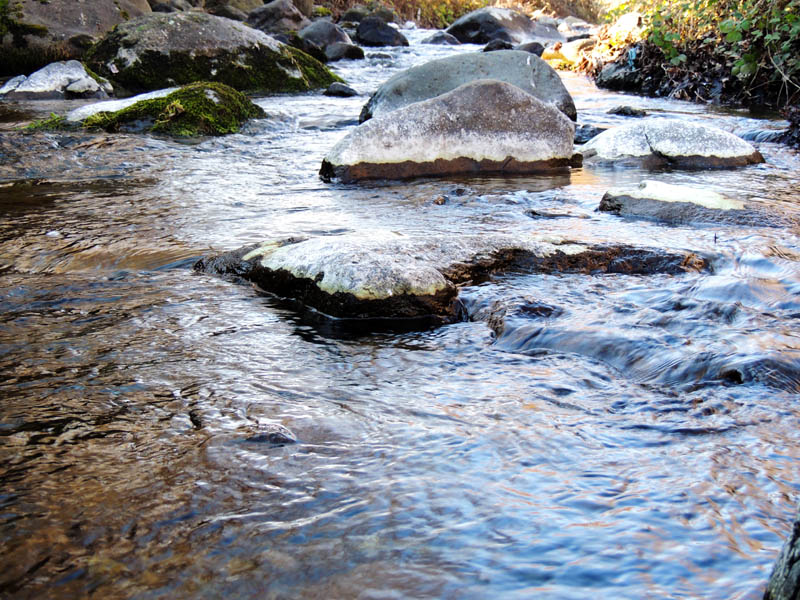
(165, 50)
(387, 275)
(678, 204)
(654, 143)
(486, 24)
(484, 126)
(64, 79)
(522, 69)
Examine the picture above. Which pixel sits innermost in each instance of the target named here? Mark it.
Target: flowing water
(621, 437)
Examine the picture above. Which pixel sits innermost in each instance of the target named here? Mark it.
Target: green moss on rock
(203, 108)
(135, 57)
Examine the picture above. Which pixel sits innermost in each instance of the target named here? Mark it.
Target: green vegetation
(53, 123)
(203, 108)
(754, 42)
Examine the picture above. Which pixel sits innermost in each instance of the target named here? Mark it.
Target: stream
(623, 437)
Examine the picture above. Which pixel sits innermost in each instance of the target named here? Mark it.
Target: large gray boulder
(34, 33)
(65, 79)
(654, 143)
(165, 50)
(384, 274)
(784, 583)
(484, 126)
(374, 31)
(279, 16)
(522, 69)
(492, 23)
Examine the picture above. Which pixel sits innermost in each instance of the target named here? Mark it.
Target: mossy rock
(203, 108)
(164, 50)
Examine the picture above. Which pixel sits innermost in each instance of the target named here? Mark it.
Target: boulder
(324, 33)
(654, 143)
(527, 71)
(279, 16)
(585, 132)
(784, 583)
(354, 14)
(619, 76)
(533, 47)
(486, 24)
(78, 115)
(495, 45)
(339, 51)
(202, 108)
(484, 126)
(340, 90)
(675, 204)
(442, 38)
(164, 50)
(229, 12)
(627, 111)
(35, 33)
(385, 275)
(373, 31)
(58, 80)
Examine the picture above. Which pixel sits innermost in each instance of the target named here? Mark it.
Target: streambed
(587, 450)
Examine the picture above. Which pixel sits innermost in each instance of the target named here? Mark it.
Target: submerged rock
(522, 69)
(784, 583)
(484, 126)
(339, 51)
(679, 204)
(654, 143)
(163, 50)
(198, 109)
(341, 90)
(492, 23)
(387, 275)
(68, 79)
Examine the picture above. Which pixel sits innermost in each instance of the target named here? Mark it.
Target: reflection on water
(580, 436)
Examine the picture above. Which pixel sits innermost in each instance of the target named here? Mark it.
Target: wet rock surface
(784, 582)
(655, 143)
(388, 276)
(484, 126)
(521, 69)
(683, 204)
(163, 50)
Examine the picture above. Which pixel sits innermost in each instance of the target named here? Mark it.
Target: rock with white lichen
(522, 69)
(654, 143)
(485, 126)
(64, 79)
(385, 275)
(168, 49)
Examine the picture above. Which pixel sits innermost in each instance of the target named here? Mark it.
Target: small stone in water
(440, 200)
(273, 434)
